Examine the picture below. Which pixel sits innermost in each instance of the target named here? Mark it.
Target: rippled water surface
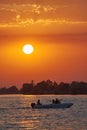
(16, 113)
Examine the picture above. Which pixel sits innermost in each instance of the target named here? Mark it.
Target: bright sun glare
(28, 49)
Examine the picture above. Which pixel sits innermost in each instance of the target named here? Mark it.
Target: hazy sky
(58, 31)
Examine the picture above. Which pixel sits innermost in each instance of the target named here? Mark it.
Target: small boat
(46, 106)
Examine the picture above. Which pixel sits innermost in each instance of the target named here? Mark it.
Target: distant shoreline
(48, 87)
(42, 94)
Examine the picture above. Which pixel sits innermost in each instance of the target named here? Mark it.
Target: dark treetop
(48, 87)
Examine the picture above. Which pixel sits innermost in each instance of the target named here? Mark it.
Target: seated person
(57, 101)
(53, 101)
(38, 102)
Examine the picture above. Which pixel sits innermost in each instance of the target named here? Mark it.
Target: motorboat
(46, 106)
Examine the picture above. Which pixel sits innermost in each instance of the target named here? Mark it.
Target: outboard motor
(32, 105)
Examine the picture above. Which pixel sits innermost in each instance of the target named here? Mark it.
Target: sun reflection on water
(16, 113)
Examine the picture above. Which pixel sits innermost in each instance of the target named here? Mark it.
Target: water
(16, 113)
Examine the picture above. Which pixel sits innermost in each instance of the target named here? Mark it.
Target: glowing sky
(58, 31)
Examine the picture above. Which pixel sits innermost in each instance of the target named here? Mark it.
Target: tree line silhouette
(47, 87)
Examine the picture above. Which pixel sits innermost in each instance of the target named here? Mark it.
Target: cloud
(43, 22)
(39, 14)
(36, 8)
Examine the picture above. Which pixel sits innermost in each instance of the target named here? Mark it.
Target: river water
(16, 113)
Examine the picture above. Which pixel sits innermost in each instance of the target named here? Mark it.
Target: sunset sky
(57, 29)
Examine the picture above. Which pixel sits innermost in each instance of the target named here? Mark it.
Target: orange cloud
(27, 22)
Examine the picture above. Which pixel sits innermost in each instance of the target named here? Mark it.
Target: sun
(28, 49)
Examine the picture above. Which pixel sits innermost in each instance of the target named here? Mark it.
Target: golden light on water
(28, 49)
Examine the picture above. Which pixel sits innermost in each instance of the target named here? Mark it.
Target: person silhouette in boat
(38, 102)
(56, 101)
(53, 101)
